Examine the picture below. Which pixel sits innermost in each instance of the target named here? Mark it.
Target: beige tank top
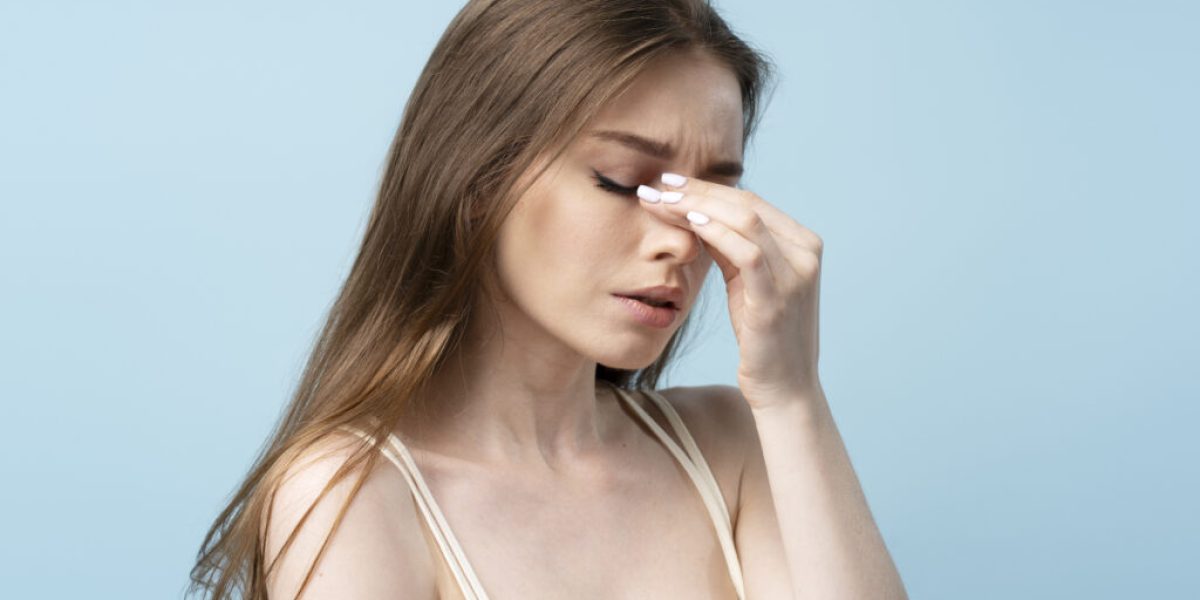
(689, 457)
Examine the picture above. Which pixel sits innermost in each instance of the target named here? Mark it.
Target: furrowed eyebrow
(664, 151)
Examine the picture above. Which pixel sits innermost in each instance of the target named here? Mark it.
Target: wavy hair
(510, 83)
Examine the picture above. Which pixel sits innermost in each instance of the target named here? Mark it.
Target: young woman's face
(580, 235)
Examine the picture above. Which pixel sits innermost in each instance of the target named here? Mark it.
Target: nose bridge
(662, 238)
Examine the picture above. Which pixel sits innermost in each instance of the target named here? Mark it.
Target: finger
(742, 220)
(778, 221)
(743, 257)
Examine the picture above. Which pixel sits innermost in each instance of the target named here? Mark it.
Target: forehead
(689, 101)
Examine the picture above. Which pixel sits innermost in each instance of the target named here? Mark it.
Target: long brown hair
(508, 86)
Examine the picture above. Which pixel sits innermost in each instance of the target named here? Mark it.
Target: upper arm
(756, 530)
(377, 550)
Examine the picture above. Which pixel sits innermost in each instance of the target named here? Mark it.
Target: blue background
(1007, 192)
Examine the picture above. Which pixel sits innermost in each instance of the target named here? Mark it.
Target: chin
(631, 360)
(631, 366)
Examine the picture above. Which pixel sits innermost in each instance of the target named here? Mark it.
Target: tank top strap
(692, 461)
(689, 444)
(396, 452)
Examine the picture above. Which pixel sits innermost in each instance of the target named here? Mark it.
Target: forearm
(833, 547)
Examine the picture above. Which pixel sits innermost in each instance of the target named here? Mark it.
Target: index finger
(776, 220)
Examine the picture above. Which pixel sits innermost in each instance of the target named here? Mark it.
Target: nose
(664, 240)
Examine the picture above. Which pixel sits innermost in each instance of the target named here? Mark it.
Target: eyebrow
(663, 150)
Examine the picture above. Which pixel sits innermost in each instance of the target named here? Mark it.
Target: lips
(659, 295)
(653, 302)
(648, 315)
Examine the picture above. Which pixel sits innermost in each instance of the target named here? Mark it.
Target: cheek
(563, 232)
(704, 257)
(551, 240)
(700, 267)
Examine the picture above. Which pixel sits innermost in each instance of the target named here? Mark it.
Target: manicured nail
(671, 197)
(648, 193)
(673, 179)
(697, 218)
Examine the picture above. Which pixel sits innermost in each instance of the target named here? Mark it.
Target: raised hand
(772, 270)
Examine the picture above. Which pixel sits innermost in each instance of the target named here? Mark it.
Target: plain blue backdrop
(1007, 192)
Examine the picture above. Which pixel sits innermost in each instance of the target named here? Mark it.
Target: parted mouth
(651, 301)
(659, 295)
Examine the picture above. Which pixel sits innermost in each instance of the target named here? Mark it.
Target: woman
(500, 336)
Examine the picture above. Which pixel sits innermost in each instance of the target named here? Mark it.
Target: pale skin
(550, 484)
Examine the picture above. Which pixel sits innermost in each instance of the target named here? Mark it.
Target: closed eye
(609, 185)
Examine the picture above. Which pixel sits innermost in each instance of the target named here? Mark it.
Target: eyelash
(609, 185)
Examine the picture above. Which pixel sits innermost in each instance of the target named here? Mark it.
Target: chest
(640, 532)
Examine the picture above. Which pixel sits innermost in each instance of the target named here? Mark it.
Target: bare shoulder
(378, 549)
(725, 413)
(721, 422)
(718, 412)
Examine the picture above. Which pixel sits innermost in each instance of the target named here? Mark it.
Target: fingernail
(648, 193)
(673, 179)
(671, 197)
(696, 217)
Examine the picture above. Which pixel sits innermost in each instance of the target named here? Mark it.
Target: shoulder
(720, 420)
(377, 550)
(716, 400)
(719, 411)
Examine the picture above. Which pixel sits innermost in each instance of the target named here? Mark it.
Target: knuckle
(809, 264)
(755, 258)
(747, 221)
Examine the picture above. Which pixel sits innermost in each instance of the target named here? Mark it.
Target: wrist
(807, 404)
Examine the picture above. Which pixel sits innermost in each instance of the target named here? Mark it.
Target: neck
(518, 404)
